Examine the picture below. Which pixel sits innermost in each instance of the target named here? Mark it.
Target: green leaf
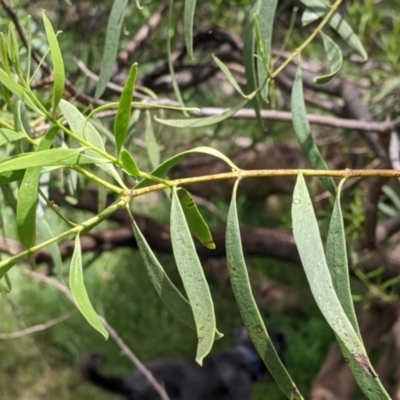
(11, 176)
(46, 158)
(129, 163)
(58, 63)
(335, 59)
(111, 46)
(168, 164)
(4, 55)
(121, 122)
(19, 91)
(188, 17)
(168, 292)
(228, 75)
(318, 9)
(12, 46)
(85, 130)
(247, 306)
(309, 244)
(193, 279)
(303, 130)
(28, 196)
(151, 142)
(266, 16)
(78, 290)
(336, 257)
(195, 220)
(9, 136)
(206, 121)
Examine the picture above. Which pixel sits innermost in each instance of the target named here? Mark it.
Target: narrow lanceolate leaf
(129, 164)
(12, 46)
(335, 59)
(121, 122)
(318, 9)
(11, 176)
(85, 130)
(8, 136)
(228, 75)
(193, 279)
(247, 306)
(195, 220)
(46, 158)
(303, 130)
(168, 164)
(78, 290)
(336, 257)
(312, 255)
(111, 46)
(18, 91)
(4, 55)
(202, 122)
(28, 196)
(168, 292)
(153, 150)
(58, 63)
(265, 17)
(188, 17)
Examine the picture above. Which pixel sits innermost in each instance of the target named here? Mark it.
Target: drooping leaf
(168, 292)
(151, 142)
(129, 163)
(312, 255)
(121, 122)
(193, 279)
(228, 75)
(188, 17)
(195, 220)
(335, 59)
(58, 63)
(9, 136)
(303, 130)
(336, 257)
(247, 306)
(85, 130)
(202, 122)
(168, 164)
(111, 46)
(318, 9)
(47, 158)
(78, 290)
(28, 196)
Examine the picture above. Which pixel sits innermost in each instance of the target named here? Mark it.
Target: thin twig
(37, 328)
(118, 340)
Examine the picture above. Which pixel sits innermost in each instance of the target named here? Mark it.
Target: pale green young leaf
(46, 158)
(4, 55)
(303, 130)
(228, 75)
(85, 130)
(194, 281)
(161, 170)
(188, 17)
(78, 290)
(335, 59)
(152, 148)
(247, 306)
(312, 255)
(28, 196)
(121, 122)
(12, 46)
(110, 51)
(206, 121)
(168, 292)
(9, 136)
(195, 220)
(129, 163)
(58, 63)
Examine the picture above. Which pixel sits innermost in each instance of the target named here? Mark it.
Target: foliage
(75, 150)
